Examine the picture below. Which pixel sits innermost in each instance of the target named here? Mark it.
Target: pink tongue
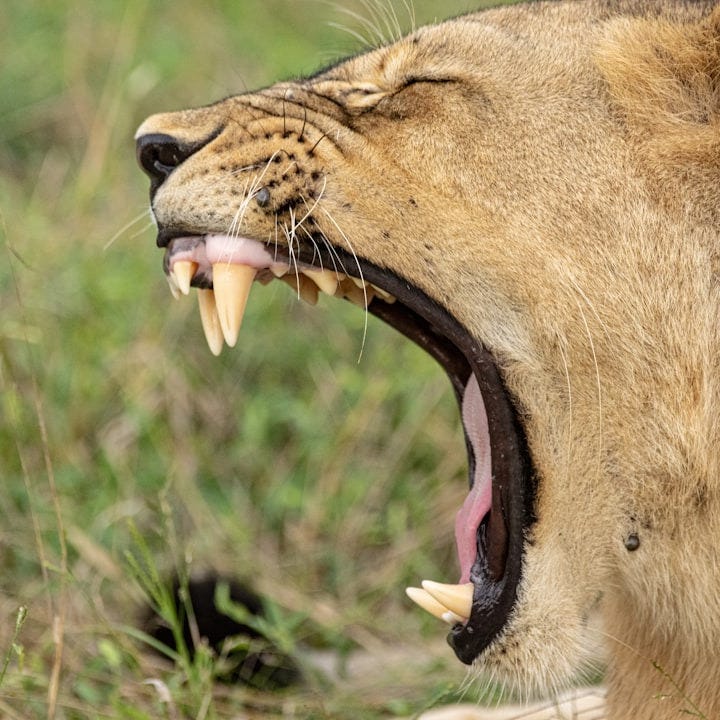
(478, 502)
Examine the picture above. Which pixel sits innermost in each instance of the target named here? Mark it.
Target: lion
(531, 194)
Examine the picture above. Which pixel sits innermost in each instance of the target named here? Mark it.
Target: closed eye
(415, 79)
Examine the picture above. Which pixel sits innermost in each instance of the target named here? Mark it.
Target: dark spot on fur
(286, 206)
(222, 168)
(632, 542)
(315, 175)
(386, 234)
(413, 202)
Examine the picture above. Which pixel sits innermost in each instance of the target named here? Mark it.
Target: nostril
(159, 155)
(167, 158)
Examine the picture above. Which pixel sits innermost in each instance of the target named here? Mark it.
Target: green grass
(326, 469)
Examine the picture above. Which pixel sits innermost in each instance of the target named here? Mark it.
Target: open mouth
(491, 524)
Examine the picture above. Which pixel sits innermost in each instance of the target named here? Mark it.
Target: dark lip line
(497, 570)
(496, 579)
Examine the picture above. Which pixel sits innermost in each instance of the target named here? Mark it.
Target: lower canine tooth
(184, 271)
(232, 286)
(456, 598)
(210, 321)
(429, 603)
(452, 619)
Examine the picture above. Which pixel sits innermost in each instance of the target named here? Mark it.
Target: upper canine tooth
(456, 598)
(232, 286)
(210, 321)
(429, 603)
(184, 271)
(326, 280)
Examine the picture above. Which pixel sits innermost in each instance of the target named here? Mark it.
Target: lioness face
(475, 186)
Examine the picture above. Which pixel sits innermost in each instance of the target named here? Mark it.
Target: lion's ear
(664, 81)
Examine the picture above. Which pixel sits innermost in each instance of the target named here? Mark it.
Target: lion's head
(530, 194)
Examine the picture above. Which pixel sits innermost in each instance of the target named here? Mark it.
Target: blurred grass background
(327, 476)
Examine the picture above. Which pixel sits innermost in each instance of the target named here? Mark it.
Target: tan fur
(560, 198)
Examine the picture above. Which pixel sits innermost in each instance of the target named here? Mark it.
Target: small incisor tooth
(383, 294)
(184, 271)
(456, 598)
(326, 280)
(303, 287)
(350, 291)
(210, 321)
(430, 604)
(279, 269)
(231, 284)
(308, 290)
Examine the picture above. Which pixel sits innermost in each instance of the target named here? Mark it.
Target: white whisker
(566, 370)
(364, 42)
(128, 225)
(598, 383)
(360, 275)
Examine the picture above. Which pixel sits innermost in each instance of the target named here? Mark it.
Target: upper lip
(497, 568)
